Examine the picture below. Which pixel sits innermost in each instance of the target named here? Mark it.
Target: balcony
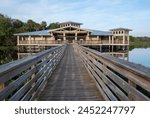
(41, 42)
(101, 42)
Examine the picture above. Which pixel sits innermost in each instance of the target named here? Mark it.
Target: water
(140, 56)
(136, 55)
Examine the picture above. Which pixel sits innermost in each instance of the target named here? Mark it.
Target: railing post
(130, 95)
(32, 77)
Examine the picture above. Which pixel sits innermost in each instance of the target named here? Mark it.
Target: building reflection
(25, 51)
(120, 55)
(115, 51)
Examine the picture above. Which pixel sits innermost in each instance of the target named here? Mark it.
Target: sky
(94, 14)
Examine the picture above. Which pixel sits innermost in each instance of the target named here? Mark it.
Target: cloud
(99, 14)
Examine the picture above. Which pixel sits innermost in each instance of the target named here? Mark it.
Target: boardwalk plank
(70, 81)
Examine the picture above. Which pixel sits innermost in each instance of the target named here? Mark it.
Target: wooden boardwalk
(70, 81)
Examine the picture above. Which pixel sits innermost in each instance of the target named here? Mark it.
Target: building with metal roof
(71, 32)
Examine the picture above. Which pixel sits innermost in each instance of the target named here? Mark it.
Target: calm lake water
(140, 56)
(136, 55)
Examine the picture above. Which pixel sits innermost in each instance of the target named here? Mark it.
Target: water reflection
(140, 56)
(115, 51)
(22, 55)
(135, 55)
(121, 55)
(24, 51)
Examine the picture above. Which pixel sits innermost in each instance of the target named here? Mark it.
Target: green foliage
(136, 42)
(7, 54)
(43, 25)
(53, 26)
(132, 39)
(32, 26)
(9, 26)
(6, 31)
(139, 39)
(17, 25)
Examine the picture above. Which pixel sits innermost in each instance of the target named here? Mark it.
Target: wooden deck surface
(70, 81)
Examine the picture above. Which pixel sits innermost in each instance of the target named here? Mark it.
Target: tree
(1, 15)
(53, 25)
(9, 26)
(132, 39)
(17, 25)
(6, 31)
(31, 26)
(43, 25)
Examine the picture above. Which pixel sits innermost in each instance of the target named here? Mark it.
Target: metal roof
(116, 29)
(67, 27)
(70, 22)
(46, 32)
(42, 32)
(97, 32)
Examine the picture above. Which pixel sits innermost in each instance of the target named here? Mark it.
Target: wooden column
(100, 39)
(42, 41)
(17, 40)
(76, 36)
(87, 36)
(22, 38)
(128, 38)
(123, 39)
(112, 40)
(109, 39)
(29, 38)
(52, 35)
(97, 37)
(64, 36)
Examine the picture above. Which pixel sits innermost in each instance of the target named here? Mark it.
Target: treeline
(9, 26)
(137, 42)
(139, 39)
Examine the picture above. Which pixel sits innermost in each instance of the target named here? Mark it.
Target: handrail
(24, 79)
(116, 79)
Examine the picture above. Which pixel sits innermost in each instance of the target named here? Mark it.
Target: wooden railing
(115, 78)
(24, 79)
